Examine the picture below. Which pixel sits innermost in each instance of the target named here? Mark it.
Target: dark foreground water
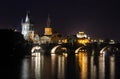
(54, 66)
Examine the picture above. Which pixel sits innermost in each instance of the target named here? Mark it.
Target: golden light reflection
(101, 67)
(83, 64)
(36, 65)
(112, 67)
(65, 54)
(53, 64)
(61, 67)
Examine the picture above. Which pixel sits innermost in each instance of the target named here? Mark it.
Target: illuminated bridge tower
(48, 29)
(48, 32)
(27, 29)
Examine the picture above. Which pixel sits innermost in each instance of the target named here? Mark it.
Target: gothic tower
(48, 28)
(26, 27)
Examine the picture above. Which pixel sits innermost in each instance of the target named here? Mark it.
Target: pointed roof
(48, 21)
(27, 19)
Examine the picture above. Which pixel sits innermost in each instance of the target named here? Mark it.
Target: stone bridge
(72, 48)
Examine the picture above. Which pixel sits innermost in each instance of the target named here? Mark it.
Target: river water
(56, 66)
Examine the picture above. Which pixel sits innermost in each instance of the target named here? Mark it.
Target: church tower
(48, 29)
(26, 27)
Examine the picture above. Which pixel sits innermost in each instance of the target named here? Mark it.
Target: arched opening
(53, 50)
(36, 50)
(108, 50)
(58, 49)
(79, 49)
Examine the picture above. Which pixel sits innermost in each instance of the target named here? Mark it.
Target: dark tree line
(12, 43)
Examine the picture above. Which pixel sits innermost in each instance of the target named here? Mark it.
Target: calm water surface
(54, 66)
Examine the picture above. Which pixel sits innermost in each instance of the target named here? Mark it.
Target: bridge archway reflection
(78, 66)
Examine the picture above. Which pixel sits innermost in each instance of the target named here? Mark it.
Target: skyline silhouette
(98, 19)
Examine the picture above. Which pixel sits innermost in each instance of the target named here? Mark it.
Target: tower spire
(48, 29)
(48, 21)
(27, 17)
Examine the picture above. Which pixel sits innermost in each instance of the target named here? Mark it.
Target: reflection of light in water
(41, 67)
(65, 54)
(54, 66)
(58, 66)
(102, 63)
(25, 69)
(37, 54)
(36, 66)
(112, 67)
(53, 60)
(61, 67)
(83, 65)
(101, 67)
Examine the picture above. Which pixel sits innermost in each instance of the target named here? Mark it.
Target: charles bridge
(72, 48)
(17, 46)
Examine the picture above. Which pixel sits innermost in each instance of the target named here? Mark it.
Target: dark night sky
(98, 19)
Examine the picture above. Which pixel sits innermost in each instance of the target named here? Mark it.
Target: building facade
(27, 28)
(48, 32)
(82, 38)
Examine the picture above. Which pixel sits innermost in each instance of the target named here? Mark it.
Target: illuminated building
(48, 28)
(47, 33)
(112, 42)
(81, 35)
(36, 39)
(45, 39)
(82, 38)
(55, 38)
(65, 40)
(27, 29)
(49, 36)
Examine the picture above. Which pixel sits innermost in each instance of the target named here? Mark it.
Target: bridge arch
(108, 50)
(53, 50)
(58, 49)
(35, 49)
(77, 50)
